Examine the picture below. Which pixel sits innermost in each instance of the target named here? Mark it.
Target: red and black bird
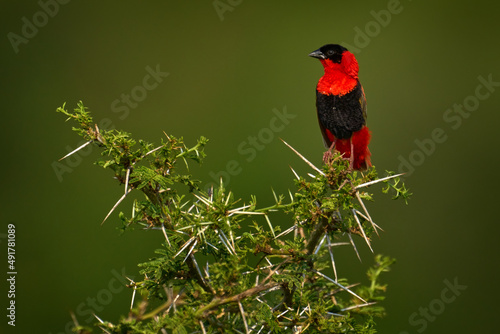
(341, 106)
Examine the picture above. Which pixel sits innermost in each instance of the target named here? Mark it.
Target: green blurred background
(229, 68)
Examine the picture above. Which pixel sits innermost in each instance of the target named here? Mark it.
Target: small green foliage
(397, 187)
(225, 266)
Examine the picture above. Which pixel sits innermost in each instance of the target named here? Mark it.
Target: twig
(233, 299)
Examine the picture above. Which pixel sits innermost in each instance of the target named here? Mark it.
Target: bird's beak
(317, 54)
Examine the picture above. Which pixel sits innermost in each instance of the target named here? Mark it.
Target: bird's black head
(330, 51)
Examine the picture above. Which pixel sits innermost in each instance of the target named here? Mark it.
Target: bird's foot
(351, 164)
(327, 157)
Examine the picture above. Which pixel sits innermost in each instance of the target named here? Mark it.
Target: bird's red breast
(339, 79)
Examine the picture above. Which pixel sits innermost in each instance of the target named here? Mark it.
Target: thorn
(174, 301)
(228, 197)
(202, 327)
(368, 219)
(320, 244)
(276, 307)
(262, 302)
(246, 213)
(186, 244)
(99, 319)
(191, 208)
(153, 150)
(339, 285)
(133, 298)
(302, 157)
(335, 314)
(133, 208)
(270, 226)
(354, 246)
(198, 269)
(366, 211)
(294, 173)
(207, 272)
(217, 249)
(378, 180)
(165, 234)
(190, 250)
(242, 311)
(362, 230)
(117, 203)
(282, 313)
(274, 194)
(305, 309)
(230, 232)
(75, 150)
(204, 200)
(75, 320)
(184, 204)
(126, 179)
(274, 288)
(223, 238)
(239, 209)
(357, 306)
(271, 265)
(331, 256)
(333, 244)
(285, 232)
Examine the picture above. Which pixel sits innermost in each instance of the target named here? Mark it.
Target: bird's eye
(330, 52)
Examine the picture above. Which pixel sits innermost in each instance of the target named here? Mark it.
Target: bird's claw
(327, 157)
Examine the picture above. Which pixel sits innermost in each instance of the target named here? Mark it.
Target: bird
(341, 107)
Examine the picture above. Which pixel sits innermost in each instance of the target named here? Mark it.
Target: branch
(234, 299)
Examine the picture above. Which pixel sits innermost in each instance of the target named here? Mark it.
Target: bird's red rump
(359, 140)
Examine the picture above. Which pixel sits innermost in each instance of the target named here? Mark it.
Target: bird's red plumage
(339, 79)
(359, 140)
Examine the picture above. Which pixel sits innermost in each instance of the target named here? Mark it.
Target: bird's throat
(336, 82)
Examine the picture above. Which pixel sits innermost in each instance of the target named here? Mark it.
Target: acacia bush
(225, 265)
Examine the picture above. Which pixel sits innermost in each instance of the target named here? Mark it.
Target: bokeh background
(233, 66)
